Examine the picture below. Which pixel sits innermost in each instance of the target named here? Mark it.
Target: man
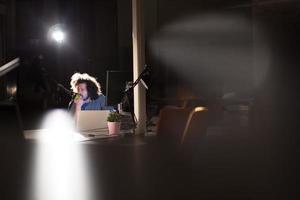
(91, 97)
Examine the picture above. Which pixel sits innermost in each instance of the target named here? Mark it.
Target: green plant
(114, 117)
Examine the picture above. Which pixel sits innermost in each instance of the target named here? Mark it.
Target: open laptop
(91, 125)
(92, 122)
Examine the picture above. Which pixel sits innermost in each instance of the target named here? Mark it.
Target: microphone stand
(128, 94)
(70, 93)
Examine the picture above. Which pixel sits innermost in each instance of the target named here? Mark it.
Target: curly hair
(92, 85)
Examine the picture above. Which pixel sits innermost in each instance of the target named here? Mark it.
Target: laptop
(91, 125)
(92, 122)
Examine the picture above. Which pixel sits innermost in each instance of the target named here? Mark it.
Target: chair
(172, 122)
(196, 125)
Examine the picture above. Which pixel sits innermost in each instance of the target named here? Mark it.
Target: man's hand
(78, 102)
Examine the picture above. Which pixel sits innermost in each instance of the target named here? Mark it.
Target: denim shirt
(97, 104)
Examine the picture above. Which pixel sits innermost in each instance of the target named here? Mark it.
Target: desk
(140, 168)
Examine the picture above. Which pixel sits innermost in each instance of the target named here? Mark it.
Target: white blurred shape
(61, 169)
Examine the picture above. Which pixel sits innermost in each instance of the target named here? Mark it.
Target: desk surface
(142, 168)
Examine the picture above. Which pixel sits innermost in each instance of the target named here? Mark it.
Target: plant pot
(114, 128)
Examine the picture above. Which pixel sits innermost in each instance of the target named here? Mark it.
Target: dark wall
(276, 61)
(217, 47)
(125, 35)
(7, 31)
(200, 48)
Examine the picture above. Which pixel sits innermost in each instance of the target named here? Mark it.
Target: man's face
(81, 89)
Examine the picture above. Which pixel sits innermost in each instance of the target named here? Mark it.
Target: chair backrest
(196, 125)
(172, 122)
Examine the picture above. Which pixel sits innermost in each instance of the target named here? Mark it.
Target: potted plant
(114, 123)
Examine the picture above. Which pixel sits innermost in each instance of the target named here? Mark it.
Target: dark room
(149, 99)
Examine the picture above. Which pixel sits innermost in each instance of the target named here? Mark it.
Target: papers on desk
(92, 135)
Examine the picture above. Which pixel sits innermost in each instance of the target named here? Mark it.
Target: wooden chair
(196, 125)
(172, 122)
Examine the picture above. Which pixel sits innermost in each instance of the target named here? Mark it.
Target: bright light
(199, 109)
(57, 33)
(58, 36)
(61, 170)
(58, 127)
